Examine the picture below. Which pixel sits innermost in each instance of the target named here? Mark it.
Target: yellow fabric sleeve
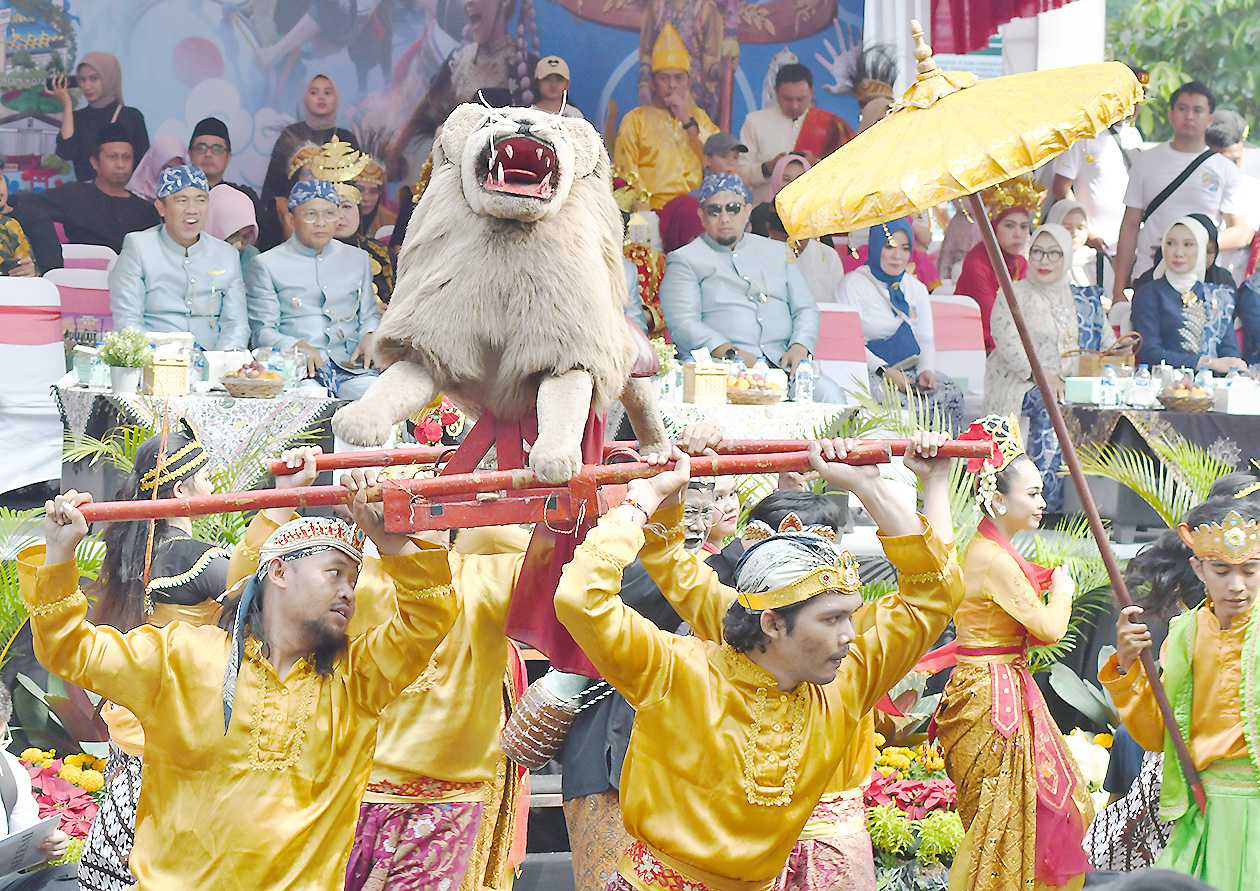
(1135, 701)
(1008, 587)
(687, 582)
(633, 654)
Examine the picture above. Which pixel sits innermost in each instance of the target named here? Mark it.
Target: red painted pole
(870, 452)
(1118, 587)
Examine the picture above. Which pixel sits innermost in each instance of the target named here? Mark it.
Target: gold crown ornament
(349, 193)
(843, 576)
(758, 530)
(628, 191)
(304, 157)
(1233, 540)
(1022, 193)
(338, 162)
(373, 173)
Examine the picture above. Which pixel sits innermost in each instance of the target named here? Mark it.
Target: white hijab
(1081, 256)
(1058, 293)
(1185, 281)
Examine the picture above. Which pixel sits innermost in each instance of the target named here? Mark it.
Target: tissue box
(1081, 390)
(704, 384)
(167, 377)
(1239, 398)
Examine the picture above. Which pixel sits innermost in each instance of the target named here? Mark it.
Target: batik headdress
(1020, 193)
(178, 466)
(1004, 436)
(1233, 540)
(294, 540)
(817, 563)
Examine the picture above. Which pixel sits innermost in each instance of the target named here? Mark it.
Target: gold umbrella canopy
(952, 135)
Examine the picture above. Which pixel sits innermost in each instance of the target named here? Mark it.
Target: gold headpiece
(757, 530)
(1233, 540)
(669, 53)
(1004, 435)
(1247, 491)
(303, 157)
(338, 162)
(372, 173)
(868, 89)
(349, 193)
(628, 191)
(1021, 192)
(180, 465)
(843, 576)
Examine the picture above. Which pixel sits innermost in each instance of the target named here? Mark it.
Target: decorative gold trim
(844, 577)
(174, 581)
(1233, 540)
(56, 606)
(173, 470)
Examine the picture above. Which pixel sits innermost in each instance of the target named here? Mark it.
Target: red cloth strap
(30, 325)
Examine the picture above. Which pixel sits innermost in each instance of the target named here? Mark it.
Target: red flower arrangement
(429, 428)
(75, 805)
(978, 433)
(915, 798)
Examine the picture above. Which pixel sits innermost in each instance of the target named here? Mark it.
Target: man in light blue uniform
(739, 294)
(315, 293)
(175, 277)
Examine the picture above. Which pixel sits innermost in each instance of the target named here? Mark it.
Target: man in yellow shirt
(265, 797)
(663, 143)
(721, 808)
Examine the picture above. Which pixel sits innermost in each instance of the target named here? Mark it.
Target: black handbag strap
(1175, 184)
(1128, 163)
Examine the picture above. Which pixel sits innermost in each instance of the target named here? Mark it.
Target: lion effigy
(511, 292)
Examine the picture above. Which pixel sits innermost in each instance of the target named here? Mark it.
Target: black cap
(113, 132)
(211, 127)
(721, 143)
(495, 97)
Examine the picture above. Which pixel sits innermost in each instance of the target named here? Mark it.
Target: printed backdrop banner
(248, 61)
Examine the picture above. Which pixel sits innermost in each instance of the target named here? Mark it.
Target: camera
(72, 82)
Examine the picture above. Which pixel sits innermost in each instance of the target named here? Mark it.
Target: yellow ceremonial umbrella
(951, 136)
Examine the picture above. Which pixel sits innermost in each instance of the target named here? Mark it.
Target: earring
(999, 509)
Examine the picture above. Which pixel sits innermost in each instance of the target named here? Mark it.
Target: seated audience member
(211, 149)
(921, 262)
(1011, 207)
(101, 211)
(1084, 261)
(175, 277)
(166, 151)
(1182, 320)
(819, 262)
(680, 219)
(737, 294)
(231, 217)
(896, 313)
(100, 82)
(551, 86)
(315, 293)
(21, 811)
(36, 225)
(348, 200)
(16, 256)
(373, 214)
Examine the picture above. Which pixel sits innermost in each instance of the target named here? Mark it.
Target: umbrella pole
(1118, 587)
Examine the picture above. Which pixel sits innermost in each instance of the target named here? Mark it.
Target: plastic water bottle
(1108, 391)
(803, 382)
(1141, 393)
(1204, 379)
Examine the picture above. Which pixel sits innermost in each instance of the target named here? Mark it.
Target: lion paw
(664, 449)
(362, 424)
(555, 461)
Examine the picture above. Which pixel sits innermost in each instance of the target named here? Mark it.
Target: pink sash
(30, 325)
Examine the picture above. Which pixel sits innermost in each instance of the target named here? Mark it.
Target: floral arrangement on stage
(439, 422)
(911, 811)
(1092, 752)
(71, 788)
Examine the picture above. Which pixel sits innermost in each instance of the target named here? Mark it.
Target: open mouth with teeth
(522, 165)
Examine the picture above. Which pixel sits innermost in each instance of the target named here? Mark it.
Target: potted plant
(126, 352)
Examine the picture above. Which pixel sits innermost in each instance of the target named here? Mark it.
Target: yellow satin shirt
(652, 143)
(724, 768)
(273, 803)
(1001, 609)
(445, 724)
(1216, 724)
(701, 600)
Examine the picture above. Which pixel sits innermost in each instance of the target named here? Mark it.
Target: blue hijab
(876, 241)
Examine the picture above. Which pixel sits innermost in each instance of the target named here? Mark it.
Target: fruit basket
(753, 396)
(1196, 399)
(253, 387)
(758, 386)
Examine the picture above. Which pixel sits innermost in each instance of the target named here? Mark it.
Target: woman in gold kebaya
(1020, 794)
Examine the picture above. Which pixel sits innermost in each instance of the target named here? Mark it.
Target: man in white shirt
(1213, 188)
(1227, 136)
(1095, 172)
(792, 124)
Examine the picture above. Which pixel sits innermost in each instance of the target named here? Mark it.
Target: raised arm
(127, 669)
(687, 582)
(1128, 685)
(1046, 621)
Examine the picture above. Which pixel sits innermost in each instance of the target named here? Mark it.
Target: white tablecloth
(783, 420)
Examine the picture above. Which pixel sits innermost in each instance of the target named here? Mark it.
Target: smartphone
(72, 82)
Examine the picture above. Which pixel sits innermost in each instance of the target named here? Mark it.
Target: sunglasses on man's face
(732, 208)
(212, 148)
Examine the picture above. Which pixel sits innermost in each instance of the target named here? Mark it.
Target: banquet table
(782, 420)
(228, 427)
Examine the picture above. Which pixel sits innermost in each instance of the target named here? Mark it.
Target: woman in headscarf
(1084, 261)
(100, 81)
(1021, 796)
(1011, 206)
(896, 316)
(1060, 319)
(921, 263)
(231, 218)
(318, 125)
(1182, 320)
(166, 151)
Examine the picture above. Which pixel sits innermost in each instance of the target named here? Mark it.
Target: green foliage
(1177, 476)
(891, 832)
(1088, 698)
(118, 447)
(940, 834)
(128, 348)
(1182, 40)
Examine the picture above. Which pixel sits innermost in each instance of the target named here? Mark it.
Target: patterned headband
(176, 179)
(311, 189)
(722, 182)
(178, 466)
(1233, 540)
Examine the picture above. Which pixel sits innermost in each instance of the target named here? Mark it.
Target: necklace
(791, 760)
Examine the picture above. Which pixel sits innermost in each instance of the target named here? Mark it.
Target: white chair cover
(32, 351)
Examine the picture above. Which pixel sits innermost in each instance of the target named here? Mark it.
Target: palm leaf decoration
(1175, 476)
(118, 447)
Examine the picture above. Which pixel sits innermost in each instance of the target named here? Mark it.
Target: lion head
(517, 163)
